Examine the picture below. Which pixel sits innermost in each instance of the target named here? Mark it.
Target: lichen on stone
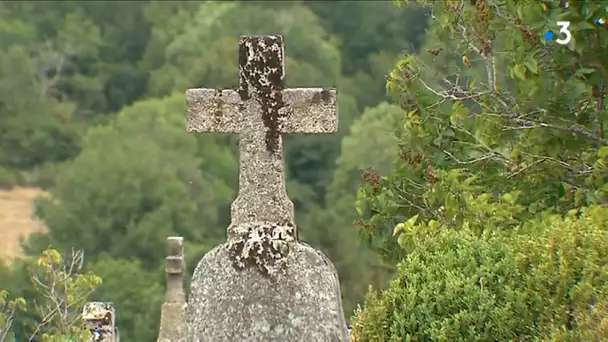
(261, 74)
(261, 245)
(218, 104)
(324, 96)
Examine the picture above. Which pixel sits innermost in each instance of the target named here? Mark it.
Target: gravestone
(263, 284)
(173, 312)
(99, 319)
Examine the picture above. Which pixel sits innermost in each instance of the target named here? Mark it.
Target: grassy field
(16, 208)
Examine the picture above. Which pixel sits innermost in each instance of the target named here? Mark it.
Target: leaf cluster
(523, 137)
(63, 288)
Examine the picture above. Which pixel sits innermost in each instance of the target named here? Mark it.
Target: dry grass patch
(16, 219)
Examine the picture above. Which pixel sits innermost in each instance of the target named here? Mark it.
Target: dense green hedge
(565, 263)
(546, 281)
(455, 287)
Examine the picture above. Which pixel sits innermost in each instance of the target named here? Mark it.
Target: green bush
(8, 178)
(565, 261)
(41, 176)
(547, 280)
(453, 287)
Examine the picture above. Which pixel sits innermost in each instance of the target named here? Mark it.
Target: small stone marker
(99, 319)
(262, 284)
(173, 313)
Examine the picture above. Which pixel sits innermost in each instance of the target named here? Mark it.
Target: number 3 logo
(563, 29)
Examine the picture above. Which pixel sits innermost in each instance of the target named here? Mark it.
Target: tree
(61, 289)
(135, 183)
(512, 163)
(137, 294)
(34, 126)
(370, 35)
(97, 46)
(537, 142)
(370, 144)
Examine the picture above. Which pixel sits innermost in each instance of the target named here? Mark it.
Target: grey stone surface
(99, 318)
(300, 304)
(173, 312)
(262, 284)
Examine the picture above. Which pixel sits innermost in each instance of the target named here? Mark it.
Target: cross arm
(309, 110)
(214, 110)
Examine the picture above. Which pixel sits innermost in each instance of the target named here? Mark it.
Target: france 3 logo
(564, 36)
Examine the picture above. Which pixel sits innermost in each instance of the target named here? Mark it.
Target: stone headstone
(263, 284)
(99, 319)
(173, 312)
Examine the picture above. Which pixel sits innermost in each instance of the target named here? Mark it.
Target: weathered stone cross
(261, 110)
(262, 284)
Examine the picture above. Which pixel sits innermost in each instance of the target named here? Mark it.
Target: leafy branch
(64, 289)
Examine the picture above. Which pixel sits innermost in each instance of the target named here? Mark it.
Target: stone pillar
(173, 314)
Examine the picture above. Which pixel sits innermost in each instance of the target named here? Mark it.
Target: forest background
(92, 110)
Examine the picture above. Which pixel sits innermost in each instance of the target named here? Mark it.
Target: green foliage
(62, 289)
(62, 64)
(90, 50)
(135, 183)
(359, 30)
(8, 178)
(546, 280)
(368, 54)
(8, 308)
(449, 199)
(65, 291)
(503, 150)
(34, 127)
(454, 287)
(473, 141)
(371, 143)
(566, 266)
(138, 295)
(312, 61)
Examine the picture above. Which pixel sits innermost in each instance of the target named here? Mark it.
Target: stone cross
(263, 284)
(99, 319)
(173, 313)
(261, 111)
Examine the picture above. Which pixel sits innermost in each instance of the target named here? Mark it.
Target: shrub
(453, 287)
(547, 280)
(8, 178)
(565, 261)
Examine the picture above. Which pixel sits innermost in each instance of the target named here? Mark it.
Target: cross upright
(261, 111)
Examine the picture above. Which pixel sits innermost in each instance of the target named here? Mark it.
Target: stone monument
(263, 284)
(173, 312)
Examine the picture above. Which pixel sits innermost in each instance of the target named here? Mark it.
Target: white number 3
(563, 29)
